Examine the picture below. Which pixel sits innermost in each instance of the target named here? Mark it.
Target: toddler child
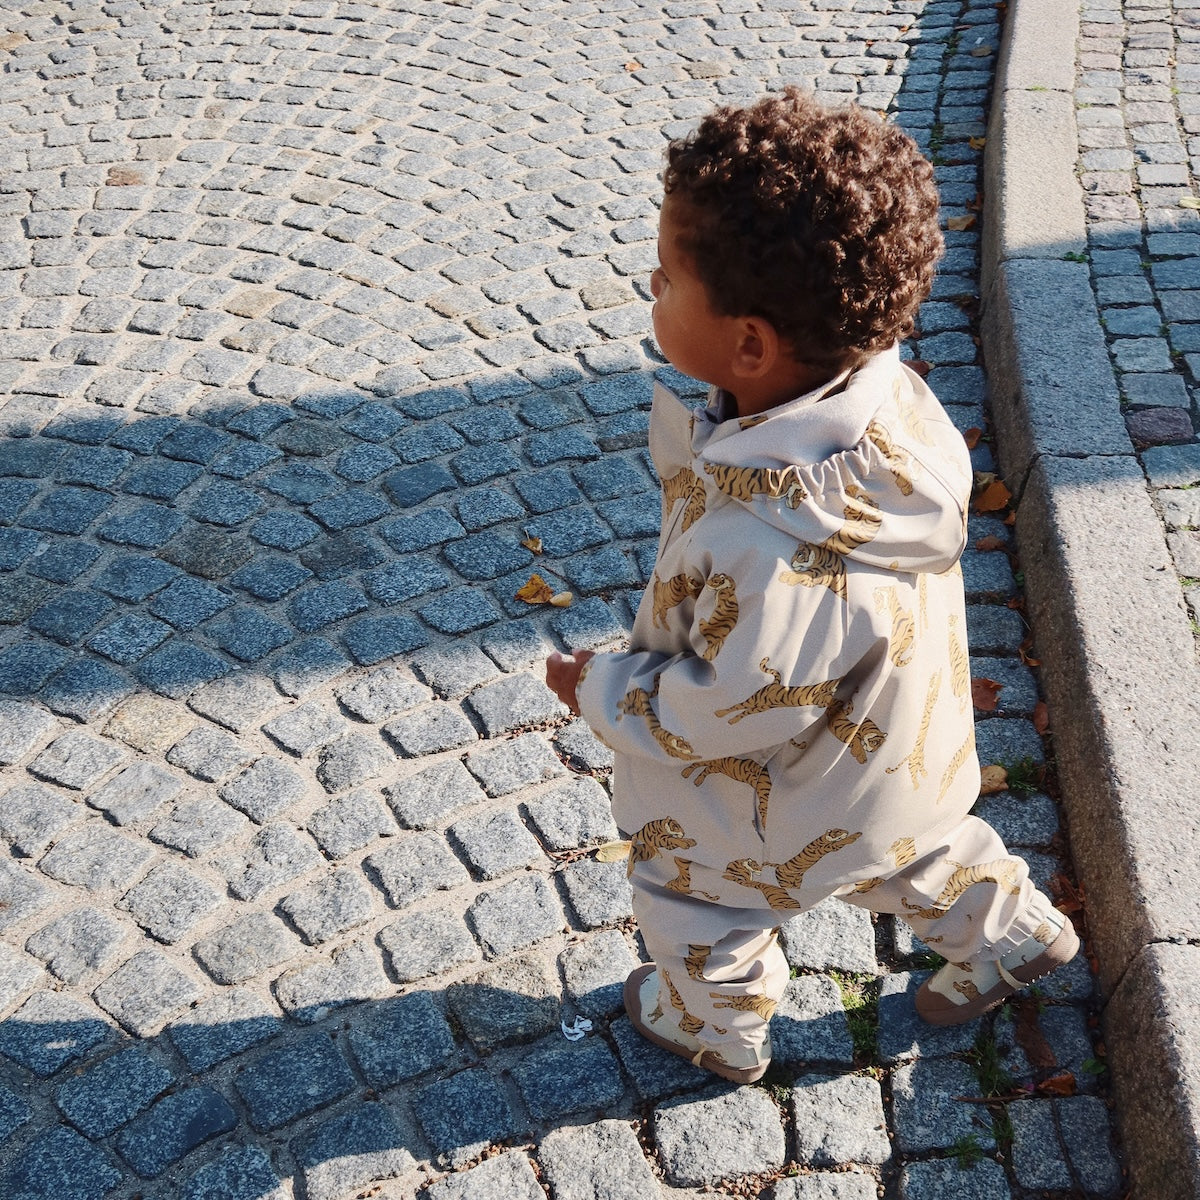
(793, 718)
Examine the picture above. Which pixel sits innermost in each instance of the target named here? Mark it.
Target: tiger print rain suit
(793, 719)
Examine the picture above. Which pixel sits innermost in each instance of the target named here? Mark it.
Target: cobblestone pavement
(1138, 99)
(313, 313)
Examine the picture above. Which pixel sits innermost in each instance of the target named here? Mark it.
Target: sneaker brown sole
(936, 1009)
(707, 1059)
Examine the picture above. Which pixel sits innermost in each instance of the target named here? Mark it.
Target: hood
(868, 466)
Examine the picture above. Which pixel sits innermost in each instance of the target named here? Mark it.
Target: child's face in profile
(694, 338)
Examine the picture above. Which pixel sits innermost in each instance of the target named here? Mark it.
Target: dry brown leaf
(993, 779)
(977, 143)
(958, 224)
(984, 693)
(535, 591)
(972, 436)
(532, 544)
(613, 851)
(1041, 717)
(991, 542)
(1058, 1085)
(993, 498)
(1029, 1035)
(1023, 650)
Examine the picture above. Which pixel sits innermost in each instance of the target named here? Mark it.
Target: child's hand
(562, 675)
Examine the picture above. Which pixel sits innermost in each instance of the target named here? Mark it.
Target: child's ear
(757, 349)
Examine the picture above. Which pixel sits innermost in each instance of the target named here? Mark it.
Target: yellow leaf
(535, 591)
(1189, 202)
(613, 852)
(993, 779)
(532, 544)
(977, 143)
(958, 224)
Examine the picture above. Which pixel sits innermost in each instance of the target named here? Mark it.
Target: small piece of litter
(579, 1029)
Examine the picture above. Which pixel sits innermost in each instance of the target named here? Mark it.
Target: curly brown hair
(823, 221)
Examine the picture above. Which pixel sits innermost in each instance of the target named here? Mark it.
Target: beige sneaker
(658, 1025)
(961, 992)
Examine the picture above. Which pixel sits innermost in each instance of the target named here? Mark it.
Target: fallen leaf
(972, 436)
(562, 599)
(535, 591)
(613, 852)
(919, 365)
(1023, 650)
(532, 544)
(977, 143)
(981, 51)
(984, 693)
(1058, 1085)
(993, 779)
(975, 205)
(1041, 717)
(993, 498)
(958, 224)
(991, 542)
(1189, 202)
(1029, 1035)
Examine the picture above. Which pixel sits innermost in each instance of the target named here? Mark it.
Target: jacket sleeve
(771, 678)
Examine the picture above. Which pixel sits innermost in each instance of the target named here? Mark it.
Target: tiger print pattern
(955, 765)
(744, 483)
(960, 667)
(685, 484)
(636, 702)
(915, 758)
(791, 873)
(696, 961)
(687, 1023)
(899, 462)
(682, 883)
(824, 565)
(776, 695)
(762, 1006)
(719, 626)
(654, 838)
(863, 737)
(674, 591)
(1003, 872)
(740, 770)
(744, 871)
(903, 852)
(900, 644)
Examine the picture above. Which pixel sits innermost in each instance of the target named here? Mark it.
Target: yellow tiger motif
(824, 565)
(687, 1022)
(791, 873)
(867, 885)
(1003, 872)
(915, 758)
(656, 836)
(674, 591)
(740, 770)
(744, 871)
(696, 961)
(960, 667)
(636, 702)
(955, 765)
(776, 695)
(923, 600)
(863, 737)
(724, 617)
(903, 852)
(682, 883)
(744, 483)
(900, 646)
(966, 988)
(685, 484)
(763, 1006)
(1045, 933)
(899, 462)
(915, 425)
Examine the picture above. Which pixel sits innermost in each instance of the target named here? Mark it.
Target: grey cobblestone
(145, 991)
(268, 1085)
